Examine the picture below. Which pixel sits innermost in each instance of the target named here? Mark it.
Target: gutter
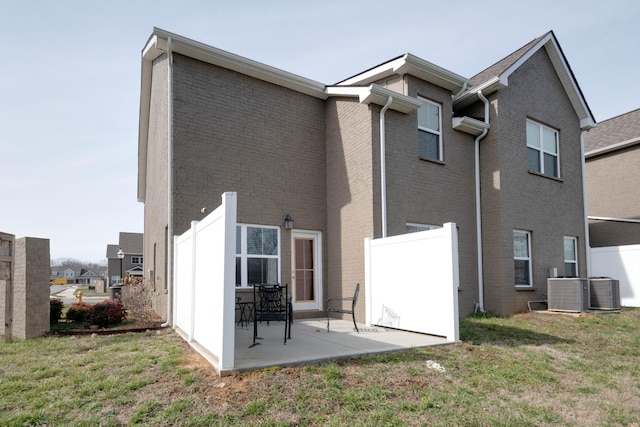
(606, 218)
(612, 147)
(480, 305)
(383, 177)
(583, 170)
(169, 185)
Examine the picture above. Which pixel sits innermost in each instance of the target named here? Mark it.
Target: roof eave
(231, 61)
(410, 64)
(563, 71)
(157, 45)
(376, 94)
(471, 96)
(612, 147)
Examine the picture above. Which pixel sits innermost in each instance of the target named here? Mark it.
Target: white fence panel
(183, 275)
(204, 283)
(621, 263)
(412, 282)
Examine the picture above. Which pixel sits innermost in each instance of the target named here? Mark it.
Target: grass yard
(529, 370)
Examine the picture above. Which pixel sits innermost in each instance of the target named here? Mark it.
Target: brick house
(131, 263)
(612, 155)
(504, 164)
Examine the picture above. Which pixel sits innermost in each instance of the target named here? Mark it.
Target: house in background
(62, 274)
(499, 154)
(612, 154)
(130, 262)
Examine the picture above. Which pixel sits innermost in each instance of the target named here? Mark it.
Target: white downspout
(169, 185)
(584, 204)
(480, 306)
(383, 175)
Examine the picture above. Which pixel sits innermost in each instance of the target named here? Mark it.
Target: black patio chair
(334, 305)
(271, 303)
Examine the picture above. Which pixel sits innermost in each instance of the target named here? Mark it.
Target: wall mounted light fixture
(288, 222)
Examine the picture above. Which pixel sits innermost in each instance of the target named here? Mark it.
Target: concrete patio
(310, 343)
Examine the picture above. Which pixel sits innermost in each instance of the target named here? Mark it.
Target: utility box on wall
(568, 294)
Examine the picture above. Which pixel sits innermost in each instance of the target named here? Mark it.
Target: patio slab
(310, 343)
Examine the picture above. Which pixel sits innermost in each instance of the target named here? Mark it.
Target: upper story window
(136, 260)
(430, 130)
(542, 149)
(522, 257)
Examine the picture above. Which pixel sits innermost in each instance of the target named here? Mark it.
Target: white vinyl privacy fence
(621, 263)
(204, 284)
(412, 282)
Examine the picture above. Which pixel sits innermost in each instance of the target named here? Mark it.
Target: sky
(70, 81)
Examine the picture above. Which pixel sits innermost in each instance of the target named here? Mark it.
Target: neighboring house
(212, 122)
(612, 154)
(131, 264)
(86, 276)
(64, 273)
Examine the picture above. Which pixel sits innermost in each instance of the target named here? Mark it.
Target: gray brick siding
(350, 196)
(155, 208)
(319, 161)
(234, 133)
(612, 192)
(513, 198)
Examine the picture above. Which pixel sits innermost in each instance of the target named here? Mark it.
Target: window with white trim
(257, 254)
(430, 130)
(414, 228)
(542, 149)
(136, 260)
(570, 256)
(522, 257)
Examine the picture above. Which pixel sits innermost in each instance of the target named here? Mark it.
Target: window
(414, 228)
(257, 255)
(429, 130)
(136, 260)
(570, 256)
(542, 149)
(522, 257)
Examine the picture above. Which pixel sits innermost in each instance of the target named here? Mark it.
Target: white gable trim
(561, 67)
(411, 64)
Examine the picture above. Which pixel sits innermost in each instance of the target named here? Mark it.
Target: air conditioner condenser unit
(605, 293)
(568, 294)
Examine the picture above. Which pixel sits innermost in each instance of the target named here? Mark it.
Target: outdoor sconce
(288, 222)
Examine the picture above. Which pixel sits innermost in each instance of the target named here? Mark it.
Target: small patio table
(246, 312)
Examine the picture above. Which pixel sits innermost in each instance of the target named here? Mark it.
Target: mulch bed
(151, 323)
(102, 331)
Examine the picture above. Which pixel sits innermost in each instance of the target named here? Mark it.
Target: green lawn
(529, 370)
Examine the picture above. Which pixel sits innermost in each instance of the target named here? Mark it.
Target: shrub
(137, 302)
(78, 312)
(55, 309)
(107, 313)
